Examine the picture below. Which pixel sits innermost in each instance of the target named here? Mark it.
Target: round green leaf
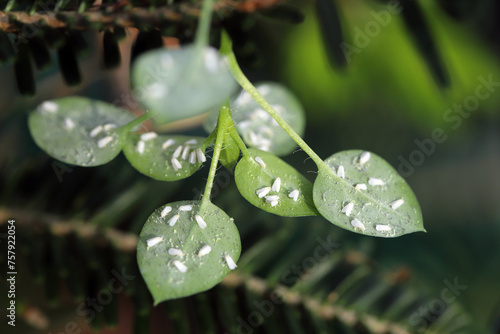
(79, 131)
(165, 157)
(256, 175)
(181, 83)
(368, 197)
(257, 128)
(168, 251)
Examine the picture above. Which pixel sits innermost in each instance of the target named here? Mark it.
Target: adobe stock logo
(453, 116)
(422, 318)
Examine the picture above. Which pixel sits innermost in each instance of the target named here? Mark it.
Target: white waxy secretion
(148, 136)
(153, 241)
(201, 222)
(364, 158)
(104, 141)
(360, 186)
(140, 147)
(180, 266)
(178, 151)
(49, 106)
(192, 158)
(341, 172)
(166, 210)
(204, 250)
(167, 144)
(176, 164)
(95, 131)
(185, 208)
(68, 123)
(230, 262)
(200, 155)
(373, 181)
(173, 220)
(397, 203)
(294, 194)
(175, 251)
(348, 209)
(260, 162)
(382, 228)
(263, 192)
(357, 224)
(276, 185)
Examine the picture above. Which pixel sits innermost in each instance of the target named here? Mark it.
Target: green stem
(231, 129)
(221, 126)
(240, 77)
(203, 30)
(209, 139)
(129, 126)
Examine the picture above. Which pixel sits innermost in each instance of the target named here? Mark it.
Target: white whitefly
(180, 266)
(148, 136)
(341, 172)
(200, 155)
(276, 185)
(175, 251)
(273, 203)
(204, 250)
(271, 198)
(177, 152)
(263, 191)
(348, 209)
(201, 222)
(230, 262)
(260, 162)
(185, 153)
(360, 186)
(373, 181)
(173, 220)
(397, 203)
(192, 158)
(185, 208)
(364, 158)
(294, 194)
(167, 144)
(166, 210)
(382, 228)
(68, 123)
(176, 164)
(48, 106)
(95, 131)
(191, 142)
(104, 141)
(357, 224)
(140, 147)
(153, 241)
(109, 126)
